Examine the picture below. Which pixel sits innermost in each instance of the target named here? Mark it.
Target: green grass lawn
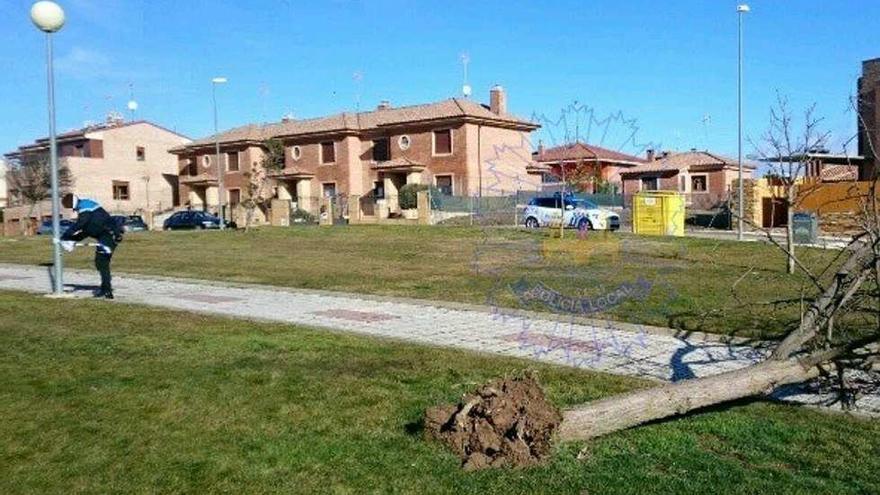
(693, 280)
(100, 397)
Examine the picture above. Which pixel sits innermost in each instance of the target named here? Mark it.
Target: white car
(579, 214)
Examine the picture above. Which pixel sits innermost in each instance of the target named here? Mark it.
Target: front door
(775, 212)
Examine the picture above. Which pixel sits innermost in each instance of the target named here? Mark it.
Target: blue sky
(672, 70)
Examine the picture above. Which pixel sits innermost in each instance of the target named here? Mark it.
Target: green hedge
(408, 196)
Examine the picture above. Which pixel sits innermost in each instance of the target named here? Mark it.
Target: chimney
(384, 105)
(649, 154)
(498, 100)
(540, 148)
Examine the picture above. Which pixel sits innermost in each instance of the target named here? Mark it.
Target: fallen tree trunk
(632, 409)
(623, 411)
(791, 362)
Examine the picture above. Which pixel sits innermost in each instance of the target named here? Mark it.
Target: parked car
(130, 223)
(45, 228)
(197, 220)
(580, 214)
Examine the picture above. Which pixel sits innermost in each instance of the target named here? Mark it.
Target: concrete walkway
(822, 242)
(602, 346)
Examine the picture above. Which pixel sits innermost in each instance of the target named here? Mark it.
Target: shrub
(409, 199)
(302, 216)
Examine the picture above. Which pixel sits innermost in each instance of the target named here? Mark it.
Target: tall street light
(741, 10)
(49, 18)
(220, 171)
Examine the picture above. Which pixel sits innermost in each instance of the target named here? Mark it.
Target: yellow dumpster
(658, 213)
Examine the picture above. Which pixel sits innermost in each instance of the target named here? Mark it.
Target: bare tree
(30, 177)
(849, 287)
(258, 190)
(257, 194)
(801, 355)
(789, 153)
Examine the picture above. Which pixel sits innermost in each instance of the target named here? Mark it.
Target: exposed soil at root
(505, 423)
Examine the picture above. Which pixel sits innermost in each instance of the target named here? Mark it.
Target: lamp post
(741, 10)
(49, 18)
(220, 171)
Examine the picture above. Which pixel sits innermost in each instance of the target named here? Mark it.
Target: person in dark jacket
(94, 221)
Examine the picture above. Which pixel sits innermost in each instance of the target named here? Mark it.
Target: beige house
(702, 176)
(457, 145)
(124, 166)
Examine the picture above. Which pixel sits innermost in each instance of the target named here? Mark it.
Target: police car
(580, 214)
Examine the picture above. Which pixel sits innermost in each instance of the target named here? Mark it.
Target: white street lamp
(220, 171)
(740, 9)
(49, 18)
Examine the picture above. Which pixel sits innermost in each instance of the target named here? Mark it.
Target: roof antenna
(264, 93)
(132, 104)
(707, 119)
(465, 87)
(358, 78)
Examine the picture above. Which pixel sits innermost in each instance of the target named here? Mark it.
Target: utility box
(658, 213)
(805, 228)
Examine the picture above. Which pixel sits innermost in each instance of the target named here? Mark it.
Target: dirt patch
(505, 423)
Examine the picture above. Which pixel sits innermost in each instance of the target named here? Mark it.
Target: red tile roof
(362, 121)
(77, 134)
(587, 152)
(676, 162)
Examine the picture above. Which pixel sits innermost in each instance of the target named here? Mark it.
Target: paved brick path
(621, 349)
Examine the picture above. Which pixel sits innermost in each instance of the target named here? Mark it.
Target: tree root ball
(505, 423)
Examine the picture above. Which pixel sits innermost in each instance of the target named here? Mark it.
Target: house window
(141, 153)
(699, 183)
(192, 168)
(444, 184)
(382, 150)
(404, 142)
(232, 161)
(329, 189)
(650, 184)
(296, 152)
(328, 152)
(234, 197)
(206, 160)
(120, 191)
(443, 142)
(682, 183)
(379, 189)
(79, 150)
(549, 178)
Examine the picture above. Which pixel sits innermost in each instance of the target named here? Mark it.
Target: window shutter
(443, 141)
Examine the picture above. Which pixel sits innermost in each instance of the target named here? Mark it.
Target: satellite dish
(466, 90)
(132, 105)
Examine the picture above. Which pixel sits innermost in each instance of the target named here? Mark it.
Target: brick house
(702, 176)
(371, 155)
(869, 118)
(584, 161)
(125, 166)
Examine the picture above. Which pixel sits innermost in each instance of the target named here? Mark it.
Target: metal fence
(503, 209)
